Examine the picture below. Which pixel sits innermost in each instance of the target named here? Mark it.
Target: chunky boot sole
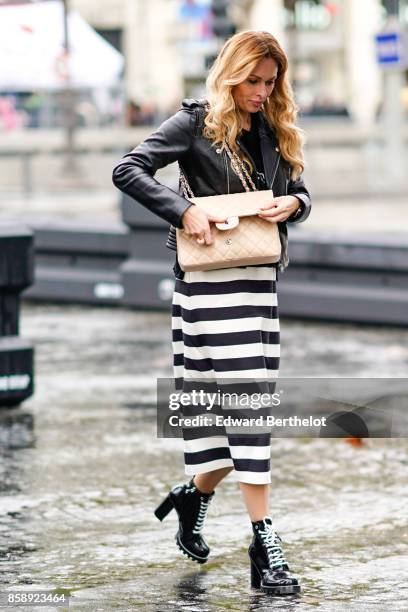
(188, 553)
(256, 583)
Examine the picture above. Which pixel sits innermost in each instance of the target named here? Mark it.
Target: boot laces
(272, 542)
(202, 511)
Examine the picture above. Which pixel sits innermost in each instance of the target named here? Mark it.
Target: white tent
(32, 50)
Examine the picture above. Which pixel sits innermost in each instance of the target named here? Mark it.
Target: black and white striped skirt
(225, 325)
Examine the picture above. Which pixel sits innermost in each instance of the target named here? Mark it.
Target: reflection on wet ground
(82, 470)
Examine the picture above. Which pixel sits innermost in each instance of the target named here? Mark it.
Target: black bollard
(16, 274)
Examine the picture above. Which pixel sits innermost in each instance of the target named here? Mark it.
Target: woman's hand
(280, 208)
(196, 223)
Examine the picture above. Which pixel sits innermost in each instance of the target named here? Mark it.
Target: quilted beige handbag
(244, 239)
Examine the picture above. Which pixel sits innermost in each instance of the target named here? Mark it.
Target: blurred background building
(160, 52)
(168, 46)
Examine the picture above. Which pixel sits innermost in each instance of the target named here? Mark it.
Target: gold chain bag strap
(245, 238)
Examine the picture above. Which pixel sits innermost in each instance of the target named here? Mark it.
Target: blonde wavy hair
(224, 121)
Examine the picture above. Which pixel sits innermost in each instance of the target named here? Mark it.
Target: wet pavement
(82, 471)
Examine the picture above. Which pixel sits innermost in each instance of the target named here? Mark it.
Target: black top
(250, 140)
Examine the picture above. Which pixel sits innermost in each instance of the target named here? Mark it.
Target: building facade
(330, 45)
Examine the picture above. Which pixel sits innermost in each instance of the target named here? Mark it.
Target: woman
(225, 322)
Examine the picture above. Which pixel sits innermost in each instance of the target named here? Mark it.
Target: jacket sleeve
(298, 189)
(134, 173)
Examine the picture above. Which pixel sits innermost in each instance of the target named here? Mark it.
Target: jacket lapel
(269, 148)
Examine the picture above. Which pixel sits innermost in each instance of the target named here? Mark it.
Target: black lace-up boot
(269, 570)
(191, 506)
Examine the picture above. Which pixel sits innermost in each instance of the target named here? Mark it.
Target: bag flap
(234, 204)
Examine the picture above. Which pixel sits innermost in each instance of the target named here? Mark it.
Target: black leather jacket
(179, 138)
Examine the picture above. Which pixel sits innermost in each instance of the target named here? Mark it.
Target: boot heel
(255, 577)
(165, 507)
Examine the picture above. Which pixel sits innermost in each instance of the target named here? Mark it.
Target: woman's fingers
(203, 236)
(277, 216)
(274, 211)
(273, 204)
(272, 214)
(279, 210)
(216, 219)
(275, 219)
(197, 224)
(207, 236)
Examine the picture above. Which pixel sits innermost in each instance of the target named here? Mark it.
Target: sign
(307, 15)
(390, 44)
(196, 13)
